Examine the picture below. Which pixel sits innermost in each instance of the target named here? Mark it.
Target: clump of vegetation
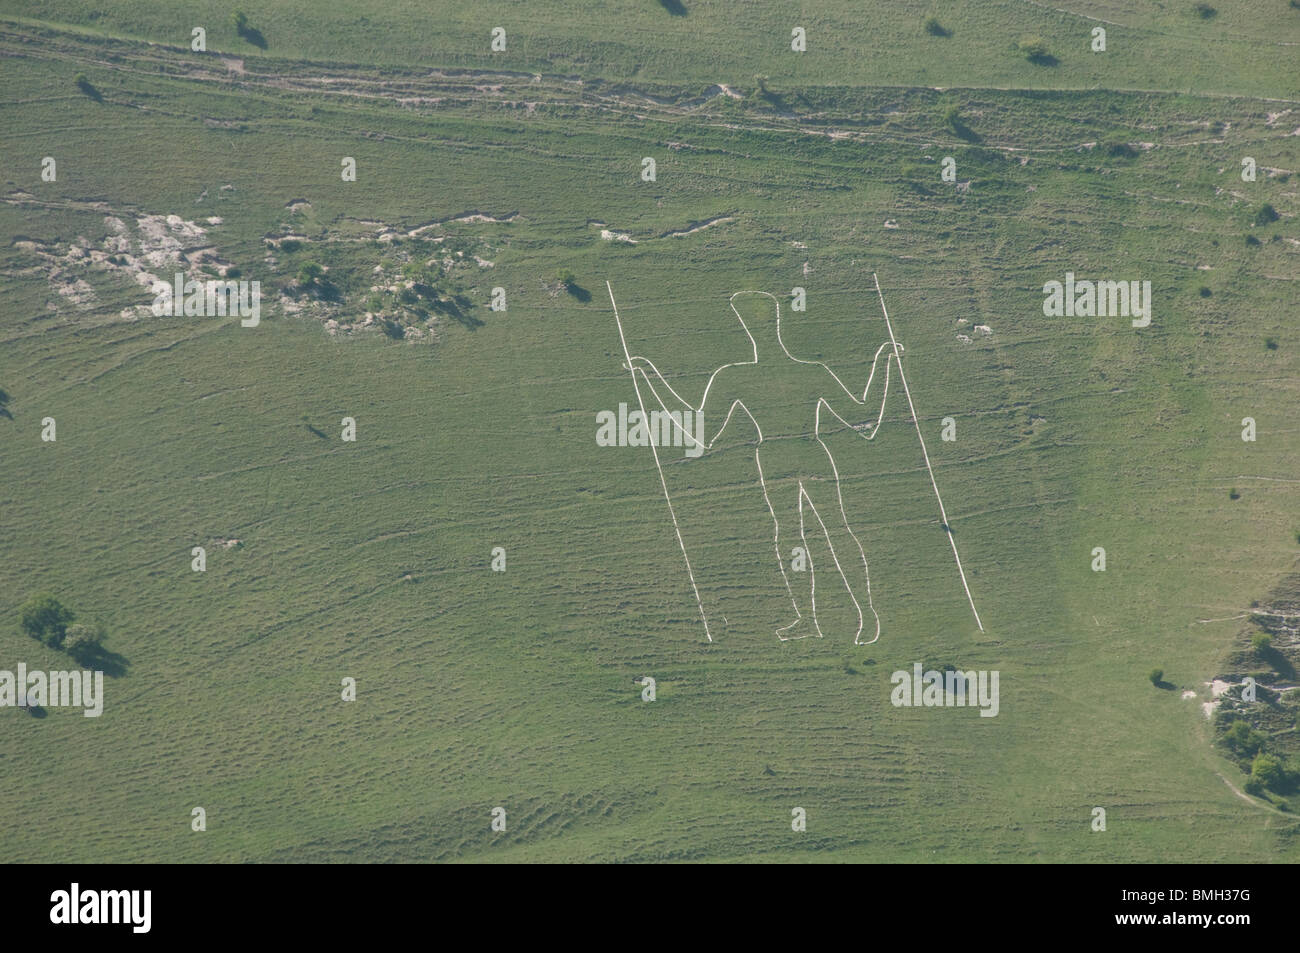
(46, 619)
(1157, 675)
(239, 20)
(1261, 642)
(1252, 240)
(1205, 292)
(84, 642)
(1243, 740)
(569, 282)
(1268, 771)
(934, 27)
(1205, 11)
(1034, 48)
(50, 622)
(1270, 343)
(312, 280)
(1233, 494)
(1119, 148)
(1266, 214)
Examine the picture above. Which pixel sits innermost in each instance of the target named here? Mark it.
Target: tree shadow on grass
(1280, 662)
(579, 292)
(99, 659)
(319, 433)
(1164, 686)
(253, 36)
(965, 132)
(458, 307)
(674, 7)
(4, 404)
(1044, 59)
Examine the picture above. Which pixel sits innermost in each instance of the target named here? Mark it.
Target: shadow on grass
(1280, 662)
(253, 36)
(319, 433)
(1044, 59)
(458, 307)
(675, 7)
(99, 659)
(1164, 686)
(85, 86)
(965, 132)
(4, 405)
(579, 292)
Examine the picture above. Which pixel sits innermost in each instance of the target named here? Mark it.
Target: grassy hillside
(371, 559)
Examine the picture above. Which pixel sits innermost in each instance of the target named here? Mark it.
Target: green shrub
(83, 642)
(46, 619)
(1267, 770)
(1266, 214)
(1243, 739)
(1119, 148)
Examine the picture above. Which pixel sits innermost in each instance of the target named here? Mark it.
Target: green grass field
(370, 559)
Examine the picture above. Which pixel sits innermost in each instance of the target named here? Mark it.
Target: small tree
(1266, 214)
(310, 273)
(1267, 770)
(46, 619)
(567, 278)
(83, 642)
(1243, 739)
(1157, 676)
(1261, 642)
